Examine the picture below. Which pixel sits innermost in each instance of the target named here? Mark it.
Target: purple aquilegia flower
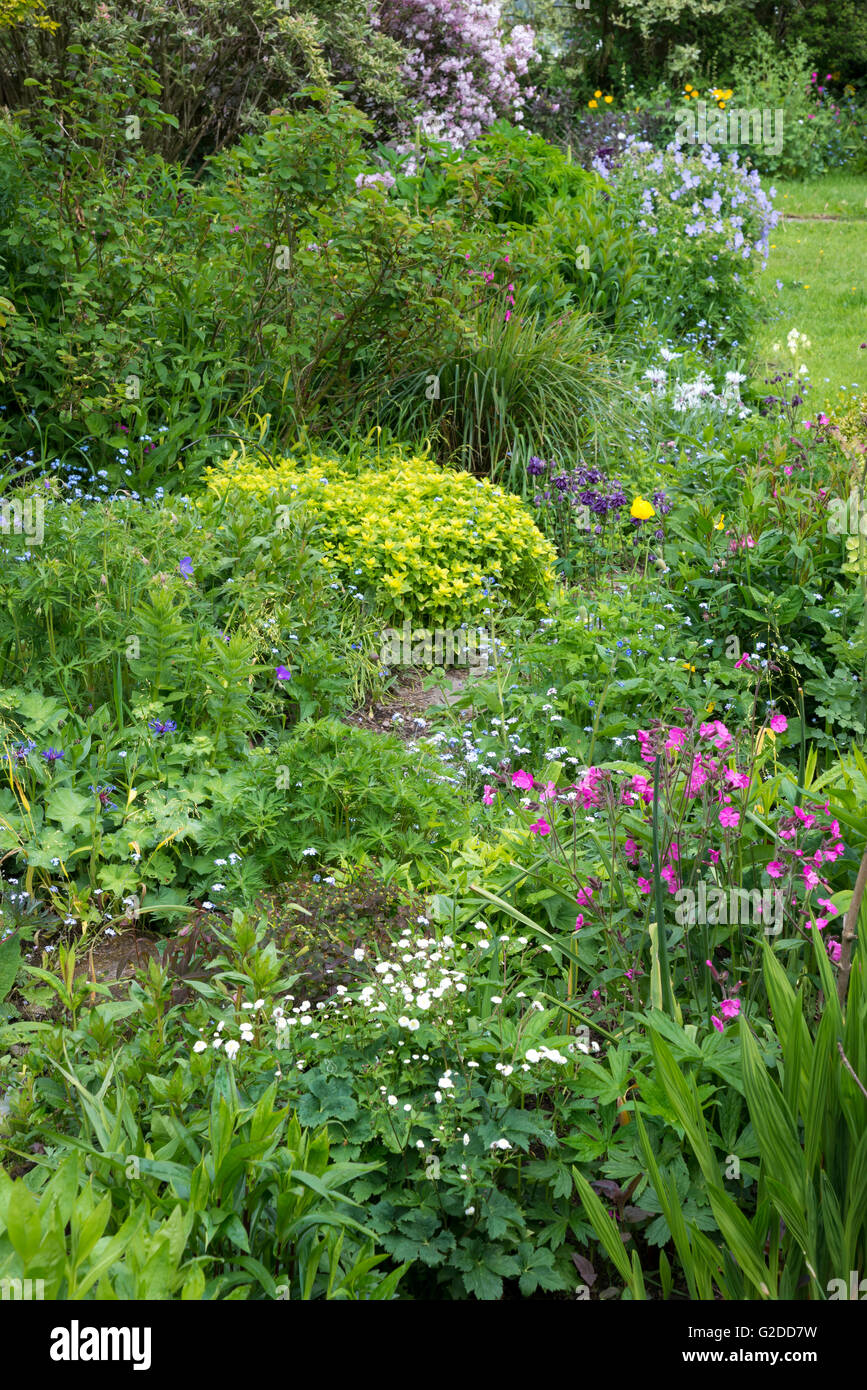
(162, 726)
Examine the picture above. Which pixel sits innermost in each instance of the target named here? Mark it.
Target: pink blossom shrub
(462, 70)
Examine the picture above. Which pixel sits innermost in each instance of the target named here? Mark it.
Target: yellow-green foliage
(25, 12)
(428, 539)
(850, 417)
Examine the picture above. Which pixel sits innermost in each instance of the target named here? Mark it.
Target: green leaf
(65, 805)
(10, 957)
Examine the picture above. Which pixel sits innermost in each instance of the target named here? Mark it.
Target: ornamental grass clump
(430, 542)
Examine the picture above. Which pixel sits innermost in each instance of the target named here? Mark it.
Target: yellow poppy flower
(597, 94)
(593, 104)
(609, 98)
(641, 510)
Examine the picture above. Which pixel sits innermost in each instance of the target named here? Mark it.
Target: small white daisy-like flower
(200, 1046)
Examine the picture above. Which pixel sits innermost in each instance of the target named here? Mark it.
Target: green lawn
(819, 257)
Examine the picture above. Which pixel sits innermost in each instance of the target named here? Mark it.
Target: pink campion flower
(779, 723)
(811, 878)
(713, 856)
(828, 905)
(676, 738)
(488, 795)
(644, 885)
(540, 827)
(728, 817)
(631, 848)
(806, 819)
(717, 1023)
(707, 730)
(584, 897)
(775, 869)
(523, 780)
(647, 753)
(730, 1008)
(723, 738)
(697, 777)
(548, 792)
(644, 787)
(670, 877)
(737, 779)
(833, 948)
(579, 921)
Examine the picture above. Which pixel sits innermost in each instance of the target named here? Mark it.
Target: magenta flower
(737, 779)
(728, 817)
(779, 723)
(833, 948)
(488, 795)
(670, 878)
(643, 786)
(644, 885)
(717, 1023)
(775, 869)
(584, 897)
(730, 1008)
(723, 738)
(676, 738)
(522, 779)
(540, 827)
(579, 921)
